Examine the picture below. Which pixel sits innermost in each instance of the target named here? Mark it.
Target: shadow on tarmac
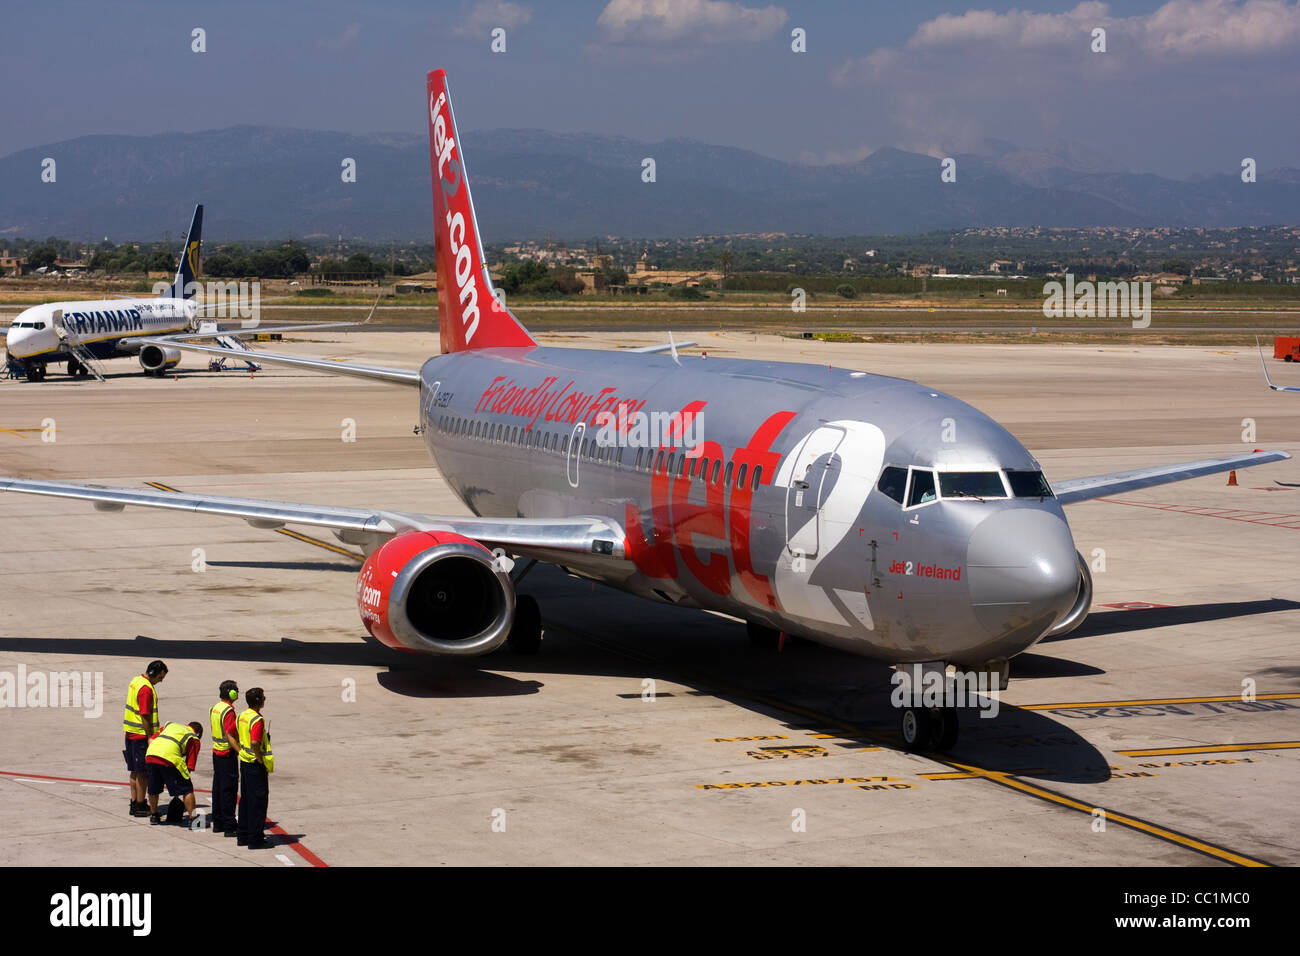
(621, 636)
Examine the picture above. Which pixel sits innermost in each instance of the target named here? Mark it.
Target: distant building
(13, 265)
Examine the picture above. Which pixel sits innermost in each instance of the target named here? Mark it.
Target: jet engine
(1082, 603)
(435, 592)
(156, 359)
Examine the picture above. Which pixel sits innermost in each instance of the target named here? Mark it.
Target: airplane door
(575, 444)
(816, 469)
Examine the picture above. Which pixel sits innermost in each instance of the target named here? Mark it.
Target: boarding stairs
(77, 350)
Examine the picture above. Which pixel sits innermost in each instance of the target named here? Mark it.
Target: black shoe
(243, 841)
(139, 809)
(155, 819)
(233, 833)
(259, 844)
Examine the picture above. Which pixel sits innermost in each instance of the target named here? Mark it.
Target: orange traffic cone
(1232, 478)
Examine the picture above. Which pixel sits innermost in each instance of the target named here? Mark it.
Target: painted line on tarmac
(1159, 700)
(1273, 519)
(299, 536)
(275, 828)
(296, 535)
(1003, 779)
(1211, 749)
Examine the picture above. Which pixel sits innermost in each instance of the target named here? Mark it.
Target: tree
(724, 263)
(42, 256)
(846, 290)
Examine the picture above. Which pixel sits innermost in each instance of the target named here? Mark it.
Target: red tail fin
(469, 315)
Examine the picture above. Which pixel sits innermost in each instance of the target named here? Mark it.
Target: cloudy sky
(1184, 87)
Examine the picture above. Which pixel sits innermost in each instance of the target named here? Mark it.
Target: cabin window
(893, 483)
(922, 490)
(740, 477)
(726, 475)
(1029, 484)
(971, 484)
(757, 479)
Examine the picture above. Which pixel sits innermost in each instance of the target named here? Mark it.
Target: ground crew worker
(256, 762)
(139, 723)
(171, 757)
(225, 758)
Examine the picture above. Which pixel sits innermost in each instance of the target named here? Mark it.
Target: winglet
(1276, 388)
(469, 314)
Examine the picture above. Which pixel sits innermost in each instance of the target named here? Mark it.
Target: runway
(644, 734)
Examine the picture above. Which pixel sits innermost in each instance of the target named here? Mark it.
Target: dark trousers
(252, 808)
(225, 788)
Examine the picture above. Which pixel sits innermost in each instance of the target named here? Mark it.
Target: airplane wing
(396, 376)
(656, 349)
(1099, 486)
(1276, 388)
(583, 535)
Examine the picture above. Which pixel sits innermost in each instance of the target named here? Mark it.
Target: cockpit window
(1029, 484)
(922, 488)
(971, 484)
(893, 482)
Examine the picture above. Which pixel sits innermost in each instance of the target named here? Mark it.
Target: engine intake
(436, 593)
(158, 358)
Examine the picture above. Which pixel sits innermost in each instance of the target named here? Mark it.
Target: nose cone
(1024, 574)
(15, 341)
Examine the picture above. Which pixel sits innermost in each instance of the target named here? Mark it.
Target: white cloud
(1199, 27)
(688, 22)
(483, 17)
(1032, 78)
(342, 40)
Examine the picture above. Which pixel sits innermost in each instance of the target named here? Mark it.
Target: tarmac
(646, 734)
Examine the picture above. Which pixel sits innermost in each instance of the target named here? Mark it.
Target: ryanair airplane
(81, 333)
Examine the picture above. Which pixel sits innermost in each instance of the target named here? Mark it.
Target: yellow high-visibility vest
(215, 716)
(171, 744)
(132, 719)
(245, 727)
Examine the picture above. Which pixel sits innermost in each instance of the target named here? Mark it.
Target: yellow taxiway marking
(21, 432)
(750, 784)
(299, 536)
(1060, 799)
(1001, 778)
(1210, 749)
(296, 535)
(1159, 700)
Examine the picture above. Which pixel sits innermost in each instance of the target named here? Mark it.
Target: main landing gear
(526, 632)
(929, 728)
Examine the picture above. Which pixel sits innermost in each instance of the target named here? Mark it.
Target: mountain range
(271, 183)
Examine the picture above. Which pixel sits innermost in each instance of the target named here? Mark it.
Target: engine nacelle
(157, 359)
(1082, 603)
(436, 593)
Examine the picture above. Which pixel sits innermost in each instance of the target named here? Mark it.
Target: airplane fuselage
(103, 327)
(780, 516)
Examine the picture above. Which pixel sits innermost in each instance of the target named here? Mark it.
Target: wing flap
(575, 535)
(395, 376)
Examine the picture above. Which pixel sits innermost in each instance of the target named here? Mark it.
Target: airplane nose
(1023, 572)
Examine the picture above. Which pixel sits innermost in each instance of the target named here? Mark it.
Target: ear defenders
(233, 694)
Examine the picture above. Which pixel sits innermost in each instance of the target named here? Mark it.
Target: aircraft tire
(761, 637)
(943, 728)
(526, 632)
(914, 725)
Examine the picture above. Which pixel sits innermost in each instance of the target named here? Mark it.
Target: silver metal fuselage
(815, 548)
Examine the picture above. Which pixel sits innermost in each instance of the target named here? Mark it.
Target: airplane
(81, 333)
(864, 512)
